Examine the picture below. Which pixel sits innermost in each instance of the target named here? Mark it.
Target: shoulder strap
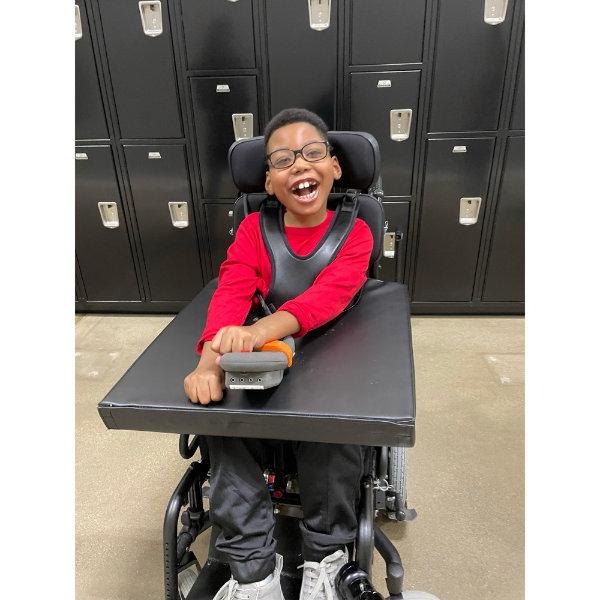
(291, 274)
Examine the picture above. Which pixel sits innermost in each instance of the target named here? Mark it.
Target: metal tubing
(194, 472)
(365, 541)
(393, 563)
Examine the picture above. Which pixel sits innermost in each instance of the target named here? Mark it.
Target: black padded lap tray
(351, 381)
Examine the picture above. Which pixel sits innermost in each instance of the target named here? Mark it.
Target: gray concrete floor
(465, 477)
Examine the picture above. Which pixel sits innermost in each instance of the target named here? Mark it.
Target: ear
(337, 169)
(268, 184)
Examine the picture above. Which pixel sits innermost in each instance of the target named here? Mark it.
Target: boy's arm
(205, 383)
(245, 339)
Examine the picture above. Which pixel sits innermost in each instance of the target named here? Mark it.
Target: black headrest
(357, 152)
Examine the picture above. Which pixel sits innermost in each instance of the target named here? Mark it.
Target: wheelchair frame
(195, 520)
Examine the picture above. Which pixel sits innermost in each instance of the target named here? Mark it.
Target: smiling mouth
(306, 191)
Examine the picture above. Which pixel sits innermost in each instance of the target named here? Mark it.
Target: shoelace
(232, 592)
(319, 581)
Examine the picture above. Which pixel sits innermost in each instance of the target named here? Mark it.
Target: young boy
(300, 174)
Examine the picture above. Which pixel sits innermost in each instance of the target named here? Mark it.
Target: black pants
(240, 504)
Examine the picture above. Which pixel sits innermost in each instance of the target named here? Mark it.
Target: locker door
(373, 96)
(470, 62)
(302, 60)
(215, 100)
(142, 71)
(219, 218)
(447, 252)
(90, 120)
(505, 277)
(517, 120)
(101, 239)
(391, 266)
(218, 34)
(397, 25)
(158, 176)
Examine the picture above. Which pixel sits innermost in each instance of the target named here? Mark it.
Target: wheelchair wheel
(397, 478)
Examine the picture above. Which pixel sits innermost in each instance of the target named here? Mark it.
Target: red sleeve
(337, 283)
(238, 281)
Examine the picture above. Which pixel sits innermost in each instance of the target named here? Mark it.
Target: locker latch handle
(319, 14)
(78, 30)
(151, 14)
(179, 214)
(390, 239)
(469, 211)
(400, 120)
(109, 213)
(243, 125)
(494, 12)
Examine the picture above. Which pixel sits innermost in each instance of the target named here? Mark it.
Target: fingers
(197, 389)
(216, 390)
(248, 345)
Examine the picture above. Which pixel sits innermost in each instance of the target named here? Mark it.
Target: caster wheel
(415, 595)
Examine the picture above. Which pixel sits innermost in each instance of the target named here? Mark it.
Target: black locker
(142, 71)
(79, 289)
(470, 63)
(517, 120)
(398, 27)
(215, 100)
(90, 120)
(393, 260)
(302, 60)
(447, 254)
(103, 252)
(219, 219)
(505, 277)
(218, 34)
(165, 216)
(373, 96)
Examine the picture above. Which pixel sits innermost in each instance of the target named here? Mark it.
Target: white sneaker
(318, 579)
(267, 589)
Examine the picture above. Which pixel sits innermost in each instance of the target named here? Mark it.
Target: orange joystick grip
(278, 346)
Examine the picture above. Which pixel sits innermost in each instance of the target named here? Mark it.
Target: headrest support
(357, 152)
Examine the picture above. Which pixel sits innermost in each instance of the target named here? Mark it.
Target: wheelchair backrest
(358, 154)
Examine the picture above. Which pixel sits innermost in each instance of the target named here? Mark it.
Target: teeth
(303, 185)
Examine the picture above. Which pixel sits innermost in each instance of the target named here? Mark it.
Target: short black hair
(295, 115)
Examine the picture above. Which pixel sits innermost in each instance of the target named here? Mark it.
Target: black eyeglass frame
(328, 148)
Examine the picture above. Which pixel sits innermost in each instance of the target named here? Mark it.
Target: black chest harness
(292, 274)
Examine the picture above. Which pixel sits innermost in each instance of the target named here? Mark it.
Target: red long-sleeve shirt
(247, 269)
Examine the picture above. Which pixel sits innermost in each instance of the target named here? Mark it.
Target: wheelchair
(139, 402)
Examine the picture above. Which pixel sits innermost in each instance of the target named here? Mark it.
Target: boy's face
(307, 205)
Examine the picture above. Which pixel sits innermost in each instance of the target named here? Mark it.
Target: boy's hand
(205, 383)
(238, 339)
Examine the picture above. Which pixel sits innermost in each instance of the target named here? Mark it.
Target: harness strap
(292, 274)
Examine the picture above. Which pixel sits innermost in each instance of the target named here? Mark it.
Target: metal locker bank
(438, 83)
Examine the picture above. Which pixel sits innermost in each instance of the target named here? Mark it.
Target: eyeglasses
(311, 152)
